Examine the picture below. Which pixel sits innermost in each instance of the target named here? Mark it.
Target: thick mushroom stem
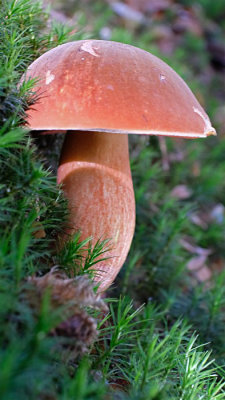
(95, 172)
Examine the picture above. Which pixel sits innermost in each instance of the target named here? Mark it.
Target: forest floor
(159, 333)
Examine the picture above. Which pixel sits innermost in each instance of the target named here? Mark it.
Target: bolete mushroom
(99, 92)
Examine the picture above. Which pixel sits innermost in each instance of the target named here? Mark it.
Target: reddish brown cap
(96, 85)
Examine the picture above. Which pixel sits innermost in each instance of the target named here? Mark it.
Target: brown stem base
(95, 172)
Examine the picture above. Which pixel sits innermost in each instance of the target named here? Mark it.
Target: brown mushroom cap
(95, 85)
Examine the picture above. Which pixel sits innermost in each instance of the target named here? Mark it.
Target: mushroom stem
(95, 172)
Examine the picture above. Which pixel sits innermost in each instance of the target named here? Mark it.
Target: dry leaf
(217, 213)
(196, 263)
(120, 385)
(164, 38)
(187, 243)
(181, 192)
(198, 220)
(150, 6)
(126, 12)
(177, 156)
(203, 274)
(38, 231)
(105, 33)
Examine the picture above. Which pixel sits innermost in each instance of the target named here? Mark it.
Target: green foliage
(118, 339)
(151, 360)
(144, 349)
(78, 257)
(157, 241)
(208, 302)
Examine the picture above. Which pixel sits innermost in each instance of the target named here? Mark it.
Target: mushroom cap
(96, 85)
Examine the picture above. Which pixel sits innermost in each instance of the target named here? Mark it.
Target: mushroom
(99, 92)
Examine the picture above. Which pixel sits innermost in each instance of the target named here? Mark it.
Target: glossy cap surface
(96, 85)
